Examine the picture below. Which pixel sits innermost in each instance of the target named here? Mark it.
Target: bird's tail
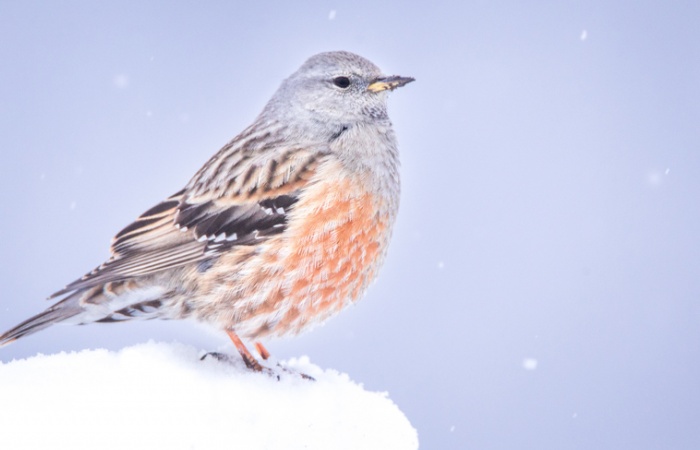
(59, 312)
(95, 304)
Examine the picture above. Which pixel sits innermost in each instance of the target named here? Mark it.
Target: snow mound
(162, 396)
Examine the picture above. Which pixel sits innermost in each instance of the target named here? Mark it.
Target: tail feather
(116, 304)
(57, 313)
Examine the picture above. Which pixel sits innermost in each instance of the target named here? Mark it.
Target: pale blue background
(550, 205)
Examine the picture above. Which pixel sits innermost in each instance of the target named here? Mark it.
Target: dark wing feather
(186, 229)
(238, 224)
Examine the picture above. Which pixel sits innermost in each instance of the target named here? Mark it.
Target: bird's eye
(341, 82)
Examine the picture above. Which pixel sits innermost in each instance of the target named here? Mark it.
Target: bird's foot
(223, 357)
(251, 363)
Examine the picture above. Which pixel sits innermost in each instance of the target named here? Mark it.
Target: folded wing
(202, 222)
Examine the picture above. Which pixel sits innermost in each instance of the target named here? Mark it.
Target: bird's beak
(388, 83)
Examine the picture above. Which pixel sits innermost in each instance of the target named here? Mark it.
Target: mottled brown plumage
(285, 226)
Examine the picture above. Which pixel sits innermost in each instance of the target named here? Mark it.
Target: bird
(285, 226)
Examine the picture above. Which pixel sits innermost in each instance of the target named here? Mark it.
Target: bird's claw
(255, 366)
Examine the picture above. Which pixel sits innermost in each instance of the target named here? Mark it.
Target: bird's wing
(214, 213)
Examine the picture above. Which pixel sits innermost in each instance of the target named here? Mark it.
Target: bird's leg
(265, 355)
(248, 358)
(262, 351)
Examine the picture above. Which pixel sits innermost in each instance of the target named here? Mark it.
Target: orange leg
(249, 359)
(262, 351)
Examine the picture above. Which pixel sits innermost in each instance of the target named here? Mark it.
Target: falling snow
(529, 364)
(121, 81)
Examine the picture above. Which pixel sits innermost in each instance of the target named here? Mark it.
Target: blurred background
(542, 287)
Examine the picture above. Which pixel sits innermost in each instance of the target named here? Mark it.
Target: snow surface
(159, 395)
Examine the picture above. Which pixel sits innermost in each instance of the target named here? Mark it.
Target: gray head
(335, 89)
